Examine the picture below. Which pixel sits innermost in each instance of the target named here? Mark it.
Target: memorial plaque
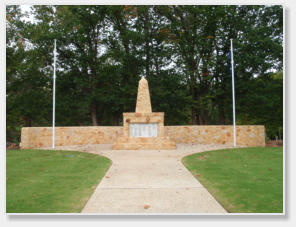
(143, 130)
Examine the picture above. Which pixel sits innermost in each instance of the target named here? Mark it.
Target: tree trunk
(193, 119)
(221, 115)
(93, 112)
(200, 119)
(115, 120)
(205, 117)
(28, 121)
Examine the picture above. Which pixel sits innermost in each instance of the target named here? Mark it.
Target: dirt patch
(203, 157)
(10, 146)
(274, 143)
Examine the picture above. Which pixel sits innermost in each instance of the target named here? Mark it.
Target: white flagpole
(233, 96)
(53, 96)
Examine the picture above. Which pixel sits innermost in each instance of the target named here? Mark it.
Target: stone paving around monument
(149, 181)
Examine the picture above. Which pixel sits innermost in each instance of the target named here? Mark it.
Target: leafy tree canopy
(182, 51)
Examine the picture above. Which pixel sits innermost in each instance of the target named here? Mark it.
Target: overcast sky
(26, 8)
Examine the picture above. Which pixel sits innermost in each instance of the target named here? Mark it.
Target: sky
(26, 8)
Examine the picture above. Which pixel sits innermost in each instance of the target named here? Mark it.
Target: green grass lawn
(245, 180)
(40, 181)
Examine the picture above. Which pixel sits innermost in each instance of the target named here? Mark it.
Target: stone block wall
(34, 137)
(247, 135)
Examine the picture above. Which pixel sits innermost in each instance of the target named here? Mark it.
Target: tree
(26, 91)
(263, 104)
(182, 51)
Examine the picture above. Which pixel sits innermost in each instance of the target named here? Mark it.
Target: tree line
(183, 51)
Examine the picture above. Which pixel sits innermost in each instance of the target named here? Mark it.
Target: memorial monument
(143, 129)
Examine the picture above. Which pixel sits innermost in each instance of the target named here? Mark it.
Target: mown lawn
(41, 181)
(244, 180)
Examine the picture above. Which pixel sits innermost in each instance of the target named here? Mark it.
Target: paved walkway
(149, 181)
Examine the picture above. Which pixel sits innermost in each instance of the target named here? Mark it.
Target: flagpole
(53, 96)
(233, 96)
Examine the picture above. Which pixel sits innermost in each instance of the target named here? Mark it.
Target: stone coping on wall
(37, 137)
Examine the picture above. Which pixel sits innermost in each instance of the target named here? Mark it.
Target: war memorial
(143, 129)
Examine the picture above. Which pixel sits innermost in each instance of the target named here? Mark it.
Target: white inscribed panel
(143, 130)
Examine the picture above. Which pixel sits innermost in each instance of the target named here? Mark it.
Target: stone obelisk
(143, 99)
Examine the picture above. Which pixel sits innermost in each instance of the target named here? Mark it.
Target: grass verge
(41, 181)
(244, 180)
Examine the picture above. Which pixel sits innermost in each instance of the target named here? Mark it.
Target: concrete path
(149, 181)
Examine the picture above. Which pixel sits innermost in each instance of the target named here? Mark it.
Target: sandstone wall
(34, 137)
(247, 135)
